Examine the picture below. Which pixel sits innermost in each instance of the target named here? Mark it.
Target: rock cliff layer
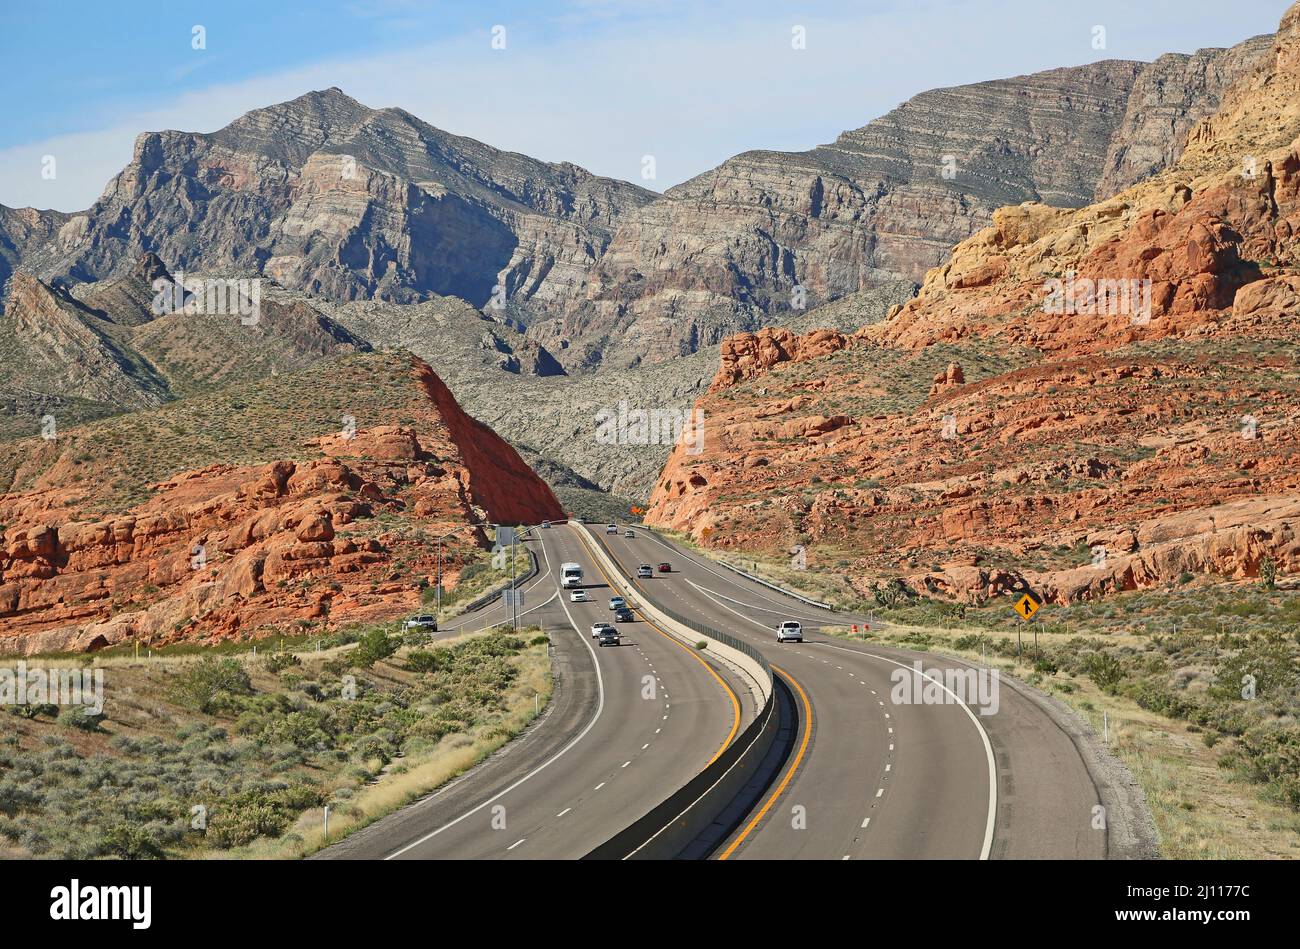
(1095, 399)
(246, 545)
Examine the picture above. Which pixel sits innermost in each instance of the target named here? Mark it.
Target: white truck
(570, 576)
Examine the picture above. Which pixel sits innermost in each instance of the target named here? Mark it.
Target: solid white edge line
(600, 707)
(984, 736)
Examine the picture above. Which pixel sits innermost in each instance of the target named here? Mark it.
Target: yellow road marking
(735, 702)
(794, 766)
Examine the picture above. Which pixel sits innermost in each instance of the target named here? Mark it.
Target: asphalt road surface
(878, 773)
(628, 727)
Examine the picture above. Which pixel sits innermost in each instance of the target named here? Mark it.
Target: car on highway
(578, 596)
(617, 602)
(623, 615)
(611, 528)
(609, 637)
(546, 525)
(644, 572)
(598, 628)
(629, 533)
(423, 621)
(665, 567)
(789, 631)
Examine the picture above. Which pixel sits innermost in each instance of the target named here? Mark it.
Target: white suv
(789, 631)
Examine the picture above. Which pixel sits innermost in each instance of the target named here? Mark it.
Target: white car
(789, 631)
(546, 525)
(578, 596)
(611, 528)
(617, 603)
(598, 628)
(644, 572)
(422, 622)
(629, 533)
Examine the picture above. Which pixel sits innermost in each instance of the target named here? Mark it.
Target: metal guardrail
(486, 598)
(779, 589)
(749, 576)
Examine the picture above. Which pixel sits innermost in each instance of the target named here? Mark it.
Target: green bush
(372, 647)
(1105, 670)
(210, 682)
(78, 716)
(278, 662)
(425, 661)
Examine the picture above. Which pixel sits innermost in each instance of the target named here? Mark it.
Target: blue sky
(598, 82)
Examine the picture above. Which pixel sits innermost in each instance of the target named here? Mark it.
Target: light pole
(440, 540)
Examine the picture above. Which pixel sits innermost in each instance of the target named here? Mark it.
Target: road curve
(874, 774)
(628, 727)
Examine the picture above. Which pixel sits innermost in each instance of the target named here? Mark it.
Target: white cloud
(687, 89)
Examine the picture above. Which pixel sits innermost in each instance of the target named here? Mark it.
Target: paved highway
(628, 727)
(871, 777)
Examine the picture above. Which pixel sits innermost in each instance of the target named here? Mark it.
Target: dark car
(665, 568)
(609, 637)
(623, 615)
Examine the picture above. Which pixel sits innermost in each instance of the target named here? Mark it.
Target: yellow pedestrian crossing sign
(1027, 606)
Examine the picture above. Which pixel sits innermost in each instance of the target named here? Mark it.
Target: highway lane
(637, 722)
(876, 778)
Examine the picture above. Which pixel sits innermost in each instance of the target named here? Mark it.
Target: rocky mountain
(1094, 399)
(106, 347)
(326, 195)
(743, 245)
(22, 231)
(1169, 97)
(251, 509)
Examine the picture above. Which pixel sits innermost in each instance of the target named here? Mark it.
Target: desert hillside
(1095, 399)
(304, 497)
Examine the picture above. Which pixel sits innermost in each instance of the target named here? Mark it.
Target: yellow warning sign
(1027, 606)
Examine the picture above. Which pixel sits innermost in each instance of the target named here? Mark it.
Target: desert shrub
(209, 683)
(1267, 662)
(78, 716)
(1105, 670)
(426, 661)
(1270, 754)
(278, 662)
(372, 647)
(130, 842)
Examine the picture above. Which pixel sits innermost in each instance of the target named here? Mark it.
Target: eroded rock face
(982, 434)
(326, 195)
(253, 549)
(736, 246)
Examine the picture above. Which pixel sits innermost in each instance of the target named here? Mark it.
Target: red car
(665, 568)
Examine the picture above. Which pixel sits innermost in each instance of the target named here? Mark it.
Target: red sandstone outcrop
(246, 550)
(1085, 441)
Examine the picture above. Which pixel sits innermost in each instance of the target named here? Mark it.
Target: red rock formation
(228, 550)
(1086, 445)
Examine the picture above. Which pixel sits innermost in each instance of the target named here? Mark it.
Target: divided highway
(629, 726)
(871, 778)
